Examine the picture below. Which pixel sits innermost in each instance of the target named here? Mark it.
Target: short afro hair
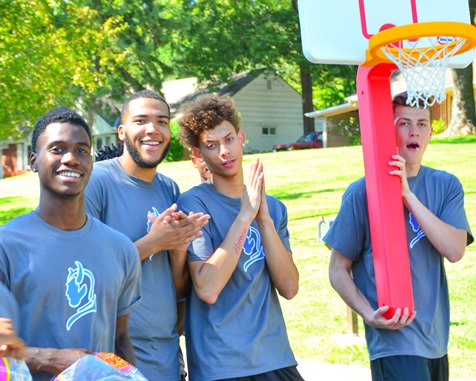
(142, 94)
(58, 115)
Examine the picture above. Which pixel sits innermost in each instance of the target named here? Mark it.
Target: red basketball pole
(384, 191)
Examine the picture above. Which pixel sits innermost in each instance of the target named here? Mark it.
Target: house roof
(101, 127)
(180, 91)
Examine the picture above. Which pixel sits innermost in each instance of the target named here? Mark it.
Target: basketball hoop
(421, 52)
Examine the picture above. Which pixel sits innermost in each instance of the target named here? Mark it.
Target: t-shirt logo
(253, 247)
(416, 228)
(80, 292)
(156, 214)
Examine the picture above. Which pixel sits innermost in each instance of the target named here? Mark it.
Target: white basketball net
(424, 67)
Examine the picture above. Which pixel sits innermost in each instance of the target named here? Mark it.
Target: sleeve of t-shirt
(8, 306)
(453, 212)
(130, 297)
(347, 232)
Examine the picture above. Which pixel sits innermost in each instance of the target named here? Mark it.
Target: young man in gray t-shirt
(408, 346)
(75, 279)
(128, 194)
(234, 326)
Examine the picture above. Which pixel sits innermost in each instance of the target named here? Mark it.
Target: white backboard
(337, 31)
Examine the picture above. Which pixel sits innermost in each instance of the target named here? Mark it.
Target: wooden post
(352, 322)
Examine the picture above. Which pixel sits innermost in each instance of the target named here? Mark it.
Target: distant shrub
(439, 126)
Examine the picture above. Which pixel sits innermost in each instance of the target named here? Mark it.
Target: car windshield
(307, 138)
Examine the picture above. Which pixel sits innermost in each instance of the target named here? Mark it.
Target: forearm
(282, 268)
(124, 349)
(180, 273)
(340, 268)
(344, 285)
(211, 276)
(52, 360)
(122, 344)
(41, 359)
(447, 240)
(147, 247)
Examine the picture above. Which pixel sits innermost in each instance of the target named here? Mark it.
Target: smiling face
(145, 131)
(221, 149)
(63, 160)
(413, 131)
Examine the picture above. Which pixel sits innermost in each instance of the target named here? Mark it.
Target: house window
(269, 84)
(268, 130)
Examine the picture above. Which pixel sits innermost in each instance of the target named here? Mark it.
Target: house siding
(272, 104)
(13, 160)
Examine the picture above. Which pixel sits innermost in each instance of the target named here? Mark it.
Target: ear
(121, 133)
(196, 153)
(242, 137)
(33, 158)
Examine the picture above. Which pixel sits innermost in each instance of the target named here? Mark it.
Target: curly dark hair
(205, 113)
(109, 152)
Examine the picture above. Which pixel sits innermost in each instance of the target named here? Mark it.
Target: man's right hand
(171, 230)
(399, 320)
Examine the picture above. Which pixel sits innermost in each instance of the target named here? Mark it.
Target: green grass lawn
(311, 184)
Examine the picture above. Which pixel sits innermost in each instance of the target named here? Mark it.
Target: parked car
(311, 140)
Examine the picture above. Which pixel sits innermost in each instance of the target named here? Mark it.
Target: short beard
(139, 160)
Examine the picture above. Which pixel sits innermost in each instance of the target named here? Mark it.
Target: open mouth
(413, 146)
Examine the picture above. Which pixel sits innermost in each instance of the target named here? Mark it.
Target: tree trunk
(307, 105)
(306, 85)
(463, 119)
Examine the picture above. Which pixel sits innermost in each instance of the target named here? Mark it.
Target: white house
(271, 109)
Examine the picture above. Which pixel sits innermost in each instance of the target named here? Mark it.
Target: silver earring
(242, 144)
(33, 169)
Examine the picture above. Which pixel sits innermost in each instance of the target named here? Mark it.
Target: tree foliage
(90, 54)
(224, 37)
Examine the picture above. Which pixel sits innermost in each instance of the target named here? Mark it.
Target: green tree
(224, 37)
(45, 57)
(463, 120)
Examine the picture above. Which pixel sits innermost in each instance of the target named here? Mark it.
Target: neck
(412, 169)
(63, 213)
(141, 173)
(229, 186)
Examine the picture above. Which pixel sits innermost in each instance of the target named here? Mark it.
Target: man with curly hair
(235, 328)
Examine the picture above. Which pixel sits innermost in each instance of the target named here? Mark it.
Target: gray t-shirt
(71, 286)
(8, 306)
(244, 332)
(427, 335)
(123, 202)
